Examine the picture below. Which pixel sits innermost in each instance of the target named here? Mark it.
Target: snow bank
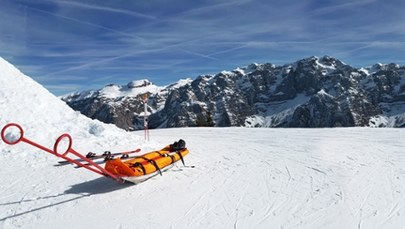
(44, 117)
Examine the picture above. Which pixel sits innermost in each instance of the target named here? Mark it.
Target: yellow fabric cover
(133, 166)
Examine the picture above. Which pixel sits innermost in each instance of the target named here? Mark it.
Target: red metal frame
(90, 165)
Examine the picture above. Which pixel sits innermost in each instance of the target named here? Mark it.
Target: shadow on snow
(86, 189)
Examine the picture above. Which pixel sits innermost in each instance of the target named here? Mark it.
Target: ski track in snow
(244, 178)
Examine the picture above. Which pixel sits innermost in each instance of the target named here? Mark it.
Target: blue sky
(71, 45)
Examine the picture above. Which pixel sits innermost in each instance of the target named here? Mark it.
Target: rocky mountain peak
(139, 83)
(311, 92)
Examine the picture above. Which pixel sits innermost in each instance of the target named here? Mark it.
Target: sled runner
(134, 169)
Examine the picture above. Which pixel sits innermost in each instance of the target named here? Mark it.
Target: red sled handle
(90, 165)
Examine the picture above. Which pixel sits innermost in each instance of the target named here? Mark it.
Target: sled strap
(172, 157)
(168, 155)
(161, 154)
(156, 165)
(153, 162)
(181, 157)
(138, 164)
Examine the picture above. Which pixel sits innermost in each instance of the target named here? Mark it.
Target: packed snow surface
(243, 177)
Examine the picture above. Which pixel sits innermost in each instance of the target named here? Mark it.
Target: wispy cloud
(76, 41)
(87, 23)
(342, 6)
(104, 8)
(212, 7)
(209, 56)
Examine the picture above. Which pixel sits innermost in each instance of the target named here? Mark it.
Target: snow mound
(44, 117)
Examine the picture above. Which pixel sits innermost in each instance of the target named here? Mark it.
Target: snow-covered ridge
(123, 104)
(121, 92)
(336, 95)
(24, 101)
(179, 83)
(132, 89)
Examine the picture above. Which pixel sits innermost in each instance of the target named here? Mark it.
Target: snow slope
(244, 177)
(41, 114)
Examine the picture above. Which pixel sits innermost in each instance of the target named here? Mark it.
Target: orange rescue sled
(146, 164)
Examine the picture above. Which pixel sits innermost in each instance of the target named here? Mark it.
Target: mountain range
(311, 92)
